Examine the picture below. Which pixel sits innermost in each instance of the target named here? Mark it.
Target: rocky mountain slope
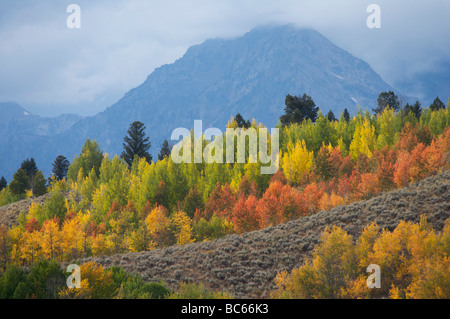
(250, 75)
(246, 265)
(213, 81)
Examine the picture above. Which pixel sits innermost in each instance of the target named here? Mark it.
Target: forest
(107, 206)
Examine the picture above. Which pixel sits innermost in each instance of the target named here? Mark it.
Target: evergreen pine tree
(416, 109)
(60, 167)
(3, 183)
(30, 168)
(346, 115)
(437, 105)
(136, 144)
(165, 150)
(298, 109)
(331, 117)
(241, 122)
(386, 99)
(19, 183)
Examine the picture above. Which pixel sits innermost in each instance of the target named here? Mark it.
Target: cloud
(51, 69)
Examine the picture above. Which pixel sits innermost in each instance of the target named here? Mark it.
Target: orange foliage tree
(279, 204)
(245, 215)
(220, 202)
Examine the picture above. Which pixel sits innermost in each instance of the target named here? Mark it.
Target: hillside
(213, 81)
(246, 265)
(10, 213)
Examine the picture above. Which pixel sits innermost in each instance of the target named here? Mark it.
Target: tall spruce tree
(29, 167)
(330, 116)
(60, 167)
(165, 150)
(346, 115)
(437, 105)
(3, 183)
(136, 144)
(416, 109)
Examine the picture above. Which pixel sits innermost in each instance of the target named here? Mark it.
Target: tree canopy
(297, 109)
(386, 99)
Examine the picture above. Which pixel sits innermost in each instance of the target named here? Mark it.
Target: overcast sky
(51, 69)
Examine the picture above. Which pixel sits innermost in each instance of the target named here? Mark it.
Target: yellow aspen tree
(364, 140)
(297, 162)
(157, 224)
(99, 245)
(85, 220)
(72, 238)
(35, 211)
(389, 128)
(32, 248)
(232, 123)
(116, 238)
(183, 229)
(139, 240)
(51, 239)
(17, 241)
(5, 244)
(134, 191)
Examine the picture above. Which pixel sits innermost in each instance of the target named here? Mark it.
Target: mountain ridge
(213, 81)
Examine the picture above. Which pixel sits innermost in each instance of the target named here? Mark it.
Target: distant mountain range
(25, 135)
(427, 85)
(213, 81)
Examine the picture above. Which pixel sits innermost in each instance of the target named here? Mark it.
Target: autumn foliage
(106, 208)
(413, 260)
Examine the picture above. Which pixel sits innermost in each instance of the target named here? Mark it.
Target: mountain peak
(12, 110)
(250, 75)
(281, 30)
(219, 78)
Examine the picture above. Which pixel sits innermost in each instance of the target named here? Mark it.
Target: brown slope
(10, 213)
(246, 265)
